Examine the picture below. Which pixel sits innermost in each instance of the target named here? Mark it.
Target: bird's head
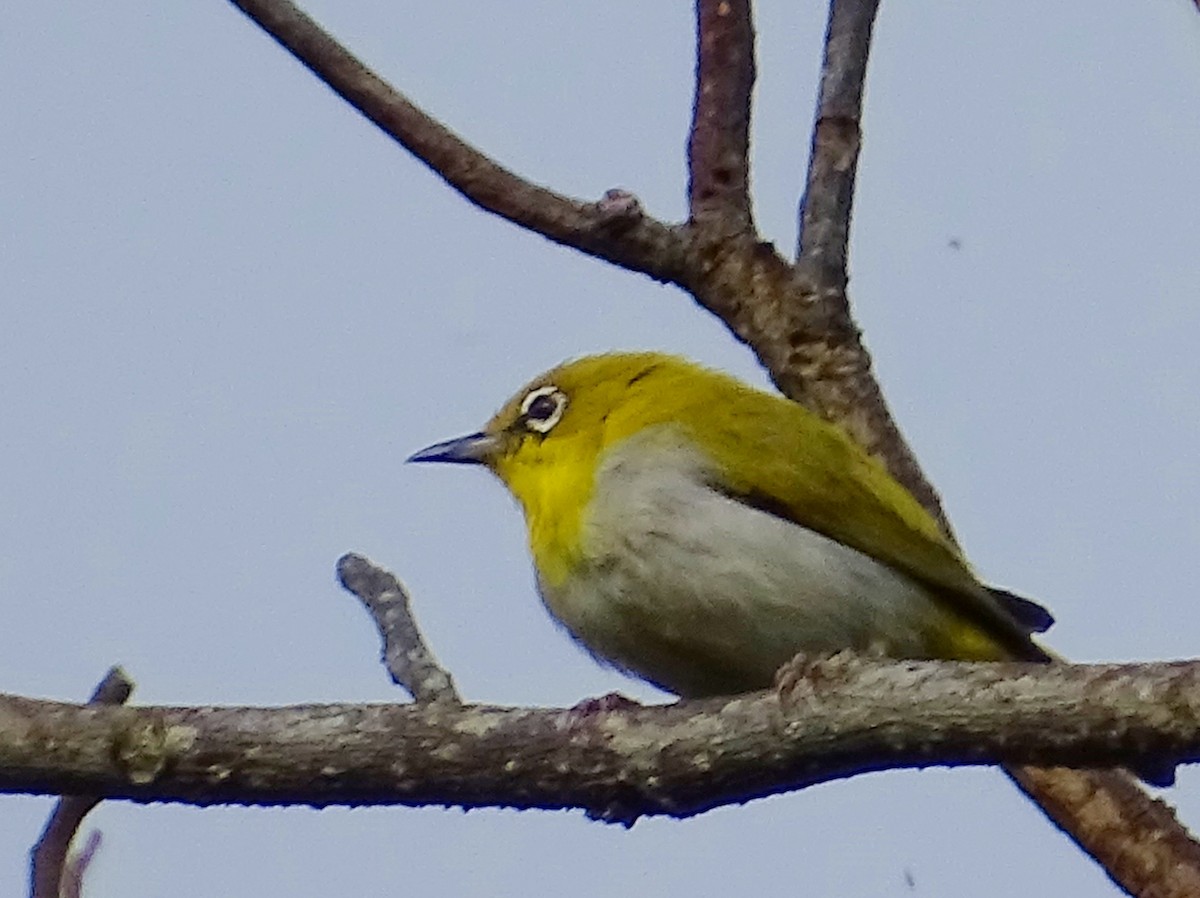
(566, 418)
(548, 442)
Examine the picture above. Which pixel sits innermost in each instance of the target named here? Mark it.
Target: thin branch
(632, 240)
(1138, 842)
(77, 866)
(834, 718)
(811, 344)
(821, 246)
(52, 872)
(719, 147)
(1107, 815)
(405, 654)
(796, 318)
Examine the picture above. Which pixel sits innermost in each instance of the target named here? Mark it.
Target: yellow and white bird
(699, 533)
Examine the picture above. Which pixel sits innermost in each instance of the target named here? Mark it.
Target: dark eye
(541, 408)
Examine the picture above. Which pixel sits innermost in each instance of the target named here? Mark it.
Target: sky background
(230, 309)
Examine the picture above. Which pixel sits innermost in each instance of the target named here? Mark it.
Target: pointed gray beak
(473, 449)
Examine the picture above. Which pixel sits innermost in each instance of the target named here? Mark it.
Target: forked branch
(795, 316)
(54, 871)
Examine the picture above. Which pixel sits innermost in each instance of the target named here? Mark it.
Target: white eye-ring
(542, 408)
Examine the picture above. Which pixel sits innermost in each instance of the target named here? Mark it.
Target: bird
(699, 533)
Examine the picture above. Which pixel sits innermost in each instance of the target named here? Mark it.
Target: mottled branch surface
(719, 145)
(1145, 849)
(833, 718)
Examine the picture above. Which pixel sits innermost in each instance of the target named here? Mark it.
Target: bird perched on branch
(699, 533)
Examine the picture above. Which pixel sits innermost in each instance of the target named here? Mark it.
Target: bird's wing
(814, 475)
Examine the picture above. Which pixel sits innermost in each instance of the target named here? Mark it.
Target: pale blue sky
(231, 308)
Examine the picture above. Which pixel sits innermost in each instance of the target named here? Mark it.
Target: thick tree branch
(831, 719)
(405, 654)
(53, 873)
(621, 234)
(719, 146)
(810, 344)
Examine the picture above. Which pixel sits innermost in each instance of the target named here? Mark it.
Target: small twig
(53, 873)
(821, 246)
(641, 243)
(408, 659)
(77, 865)
(719, 147)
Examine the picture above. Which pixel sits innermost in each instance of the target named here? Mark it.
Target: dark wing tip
(1028, 613)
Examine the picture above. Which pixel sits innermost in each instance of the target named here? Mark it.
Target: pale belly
(702, 594)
